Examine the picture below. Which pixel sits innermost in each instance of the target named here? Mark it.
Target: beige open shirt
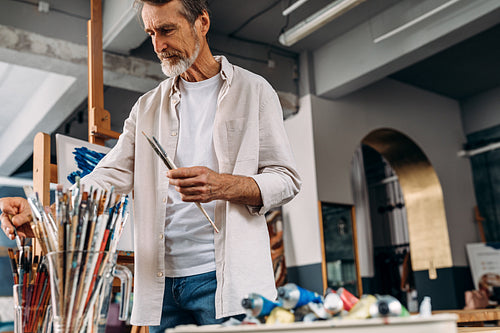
(249, 139)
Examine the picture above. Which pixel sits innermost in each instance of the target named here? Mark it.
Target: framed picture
(484, 261)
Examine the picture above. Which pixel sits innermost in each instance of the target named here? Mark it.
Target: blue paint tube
(291, 296)
(257, 305)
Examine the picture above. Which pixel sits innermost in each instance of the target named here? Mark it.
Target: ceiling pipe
(480, 150)
(316, 21)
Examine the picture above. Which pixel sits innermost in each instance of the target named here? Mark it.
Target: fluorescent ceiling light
(316, 21)
(415, 21)
(294, 6)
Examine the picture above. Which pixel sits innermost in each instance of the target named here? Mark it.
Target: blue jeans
(189, 300)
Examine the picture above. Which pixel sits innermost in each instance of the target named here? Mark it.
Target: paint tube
(332, 302)
(362, 308)
(348, 299)
(387, 306)
(280, 316)
(250, 320)
(257, 305)
(331, 305)
(316, 311)
(310, 317)
(291, 296)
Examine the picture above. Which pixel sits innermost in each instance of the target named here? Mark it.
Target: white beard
(182, 63)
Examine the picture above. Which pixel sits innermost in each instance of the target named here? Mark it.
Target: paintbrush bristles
(75, 213)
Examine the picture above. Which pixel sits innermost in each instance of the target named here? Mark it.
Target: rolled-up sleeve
(277, 177)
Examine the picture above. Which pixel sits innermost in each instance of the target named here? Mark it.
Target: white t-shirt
(189, 237)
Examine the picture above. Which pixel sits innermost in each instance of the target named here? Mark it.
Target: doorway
(393, 274)
(400, 209)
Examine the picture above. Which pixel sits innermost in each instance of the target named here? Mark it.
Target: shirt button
(161, 236)
(164, 200)
(159, 274)
(173, 133)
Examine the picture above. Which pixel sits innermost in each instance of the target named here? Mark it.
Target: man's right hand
(15, 212)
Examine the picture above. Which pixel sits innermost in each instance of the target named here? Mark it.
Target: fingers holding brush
(7, 226)
(196, 184)
(16, 214)
(201, 184)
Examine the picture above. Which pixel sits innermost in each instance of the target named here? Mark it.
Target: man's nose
(159, 44)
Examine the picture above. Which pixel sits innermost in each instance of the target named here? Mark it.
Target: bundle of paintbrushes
(81, 238)
(31, 291)
(83, 221)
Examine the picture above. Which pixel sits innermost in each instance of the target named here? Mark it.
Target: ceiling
(459, 72)
(260, 22)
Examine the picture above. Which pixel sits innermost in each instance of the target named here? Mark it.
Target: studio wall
(337, 127)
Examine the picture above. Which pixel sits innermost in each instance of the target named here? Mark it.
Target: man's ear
(203, 23)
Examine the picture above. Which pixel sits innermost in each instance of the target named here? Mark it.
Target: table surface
(440, 323)
(478, 329)
(478, 315)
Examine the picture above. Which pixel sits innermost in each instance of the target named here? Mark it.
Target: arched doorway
(422, 203)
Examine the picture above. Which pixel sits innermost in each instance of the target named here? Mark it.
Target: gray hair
(192, 9)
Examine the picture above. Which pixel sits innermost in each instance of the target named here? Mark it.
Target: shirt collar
(226, 74)
(226, 69)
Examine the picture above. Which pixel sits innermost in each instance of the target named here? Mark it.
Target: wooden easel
(99, 126)
(44, 172)
(99, 119)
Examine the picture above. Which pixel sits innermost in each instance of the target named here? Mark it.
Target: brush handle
(206, 215)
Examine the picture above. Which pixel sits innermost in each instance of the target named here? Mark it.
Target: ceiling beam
(380, 46)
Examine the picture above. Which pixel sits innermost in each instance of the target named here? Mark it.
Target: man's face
(175, 41)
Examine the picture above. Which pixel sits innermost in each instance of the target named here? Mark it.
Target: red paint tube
(348, 299)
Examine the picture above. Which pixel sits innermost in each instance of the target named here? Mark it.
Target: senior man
(223, 126)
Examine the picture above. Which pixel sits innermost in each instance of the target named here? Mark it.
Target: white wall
(481, 111)
(433, 122)
(301, 215)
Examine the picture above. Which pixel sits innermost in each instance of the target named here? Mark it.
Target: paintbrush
(13, 265)
(36, 209)
(19, 241)
(158, 149)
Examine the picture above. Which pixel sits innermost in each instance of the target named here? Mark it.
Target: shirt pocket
(242, 139)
